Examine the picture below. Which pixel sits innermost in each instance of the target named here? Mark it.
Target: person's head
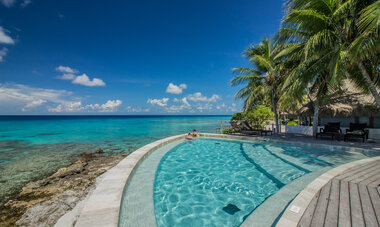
(194, 130)
(189, 134)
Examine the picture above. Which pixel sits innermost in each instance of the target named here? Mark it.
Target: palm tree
(261, 80)
(319, 34)
(330, 31)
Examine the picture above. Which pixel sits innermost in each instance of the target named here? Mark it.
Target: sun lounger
(356, 131)
(331, 129)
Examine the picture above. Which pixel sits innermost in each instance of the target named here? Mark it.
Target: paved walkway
(370, 144)
(349, 199)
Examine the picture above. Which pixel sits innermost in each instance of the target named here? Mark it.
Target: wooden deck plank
(359, 172)
(375, 183)
(368, 212)
(356, 208)
(375, 198)
(372, 178)
(344, 205)
(321, 208)
(333, 204)
(356, 170)
(308, 215)
(372, 172)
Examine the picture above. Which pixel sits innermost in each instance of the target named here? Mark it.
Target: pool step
(275, 167)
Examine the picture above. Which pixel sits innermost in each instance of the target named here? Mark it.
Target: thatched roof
(350, 103)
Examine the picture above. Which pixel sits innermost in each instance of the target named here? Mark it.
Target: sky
(127, 57)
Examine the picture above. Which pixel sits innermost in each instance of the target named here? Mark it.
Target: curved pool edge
(103, 206)
(303, 199)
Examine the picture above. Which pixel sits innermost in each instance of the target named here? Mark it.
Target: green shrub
(227, 131)
(259, 116)
(237, 116)
(294, 122)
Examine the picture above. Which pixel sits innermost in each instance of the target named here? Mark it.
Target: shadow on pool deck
(370, 144)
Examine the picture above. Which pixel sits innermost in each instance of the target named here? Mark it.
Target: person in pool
(195, 133)
(189, 137)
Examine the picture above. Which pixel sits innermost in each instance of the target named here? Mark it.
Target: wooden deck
(349, 199)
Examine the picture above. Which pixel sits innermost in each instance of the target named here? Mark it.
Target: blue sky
(127, 57)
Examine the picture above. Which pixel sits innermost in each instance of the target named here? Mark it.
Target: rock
(47, 213)
(99, 151)
(86, 155)
(43, 202)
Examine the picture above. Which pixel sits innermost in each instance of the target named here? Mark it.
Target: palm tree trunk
(315, 117)
(369, 82)
(275, 111)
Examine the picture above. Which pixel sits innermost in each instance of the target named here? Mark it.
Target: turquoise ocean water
(32, 147)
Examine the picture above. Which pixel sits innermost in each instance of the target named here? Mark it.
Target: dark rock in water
(231, 209)
(99, 151)
(86, 155)
(48, 134)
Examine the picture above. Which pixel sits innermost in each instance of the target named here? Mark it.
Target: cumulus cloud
(207, 106)
(177, 108)
(3, 53)
(198, 97)
(76, 106)
(86, 81)
(67, 107)
(174, 89)
(159, 102)
(8, 3)
(69, 74)
(4, 38)
(66, 69)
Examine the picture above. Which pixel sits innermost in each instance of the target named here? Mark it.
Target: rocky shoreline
(43, 202)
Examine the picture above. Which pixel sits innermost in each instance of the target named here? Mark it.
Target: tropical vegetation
(321, 43)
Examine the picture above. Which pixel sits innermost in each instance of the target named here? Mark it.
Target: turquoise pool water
(32, 147)
(213, 182)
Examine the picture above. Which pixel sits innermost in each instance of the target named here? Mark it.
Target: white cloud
(198, 97)
(17, 97)
(26, 3)
(110, 106)
(33, 104)
(76, 106)
(159, 102)
(3, 53)
(4, 38)
(66, 69)
(21, 97)
(86, 81)
(67, 107)
(69, 74)
(174, 89)
(137, 109)
(177, 108)
(8, 3)
(207, 106)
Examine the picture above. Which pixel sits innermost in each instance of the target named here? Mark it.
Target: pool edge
(103, 205)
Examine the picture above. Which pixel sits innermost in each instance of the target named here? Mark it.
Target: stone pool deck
(103, 206)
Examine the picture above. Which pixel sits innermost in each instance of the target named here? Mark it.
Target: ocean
(33, 147)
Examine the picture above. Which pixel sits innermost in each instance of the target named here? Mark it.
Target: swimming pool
(217, 182)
